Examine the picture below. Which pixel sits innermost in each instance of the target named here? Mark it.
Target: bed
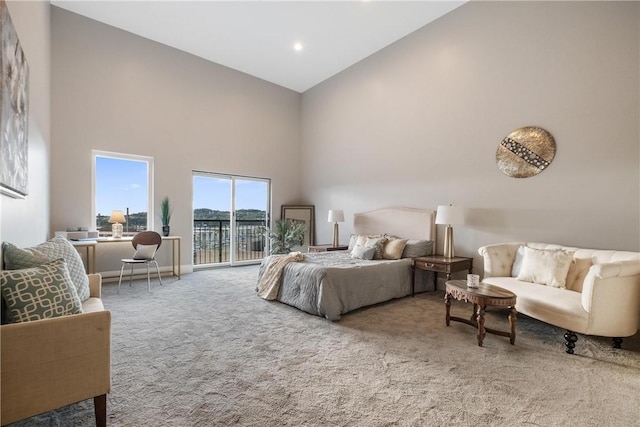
(330, 284)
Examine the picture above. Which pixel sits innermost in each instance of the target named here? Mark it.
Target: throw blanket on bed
(269, 283)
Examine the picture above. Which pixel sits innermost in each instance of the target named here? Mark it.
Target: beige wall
(25, 222)
(114, 91)
(418, 124)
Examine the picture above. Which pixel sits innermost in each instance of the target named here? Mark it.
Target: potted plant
(286, 234)
(165, 215)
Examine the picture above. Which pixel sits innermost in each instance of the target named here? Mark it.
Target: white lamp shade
(336, 215)
(450, 215)
(117, 216)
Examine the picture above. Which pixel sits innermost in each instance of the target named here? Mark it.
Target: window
(122, 182)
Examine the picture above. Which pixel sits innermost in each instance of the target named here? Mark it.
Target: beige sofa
(601, 294)
(50, 363)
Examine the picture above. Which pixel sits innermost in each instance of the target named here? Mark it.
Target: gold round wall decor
(525, 152)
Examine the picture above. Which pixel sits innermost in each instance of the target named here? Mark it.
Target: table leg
(179, 260)
(474, 315)
(413, 281)
(173, 258)
(480, 320)
(447, 302)
(88, 259)
(512, 322)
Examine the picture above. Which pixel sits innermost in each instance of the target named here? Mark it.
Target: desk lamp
(116, 218)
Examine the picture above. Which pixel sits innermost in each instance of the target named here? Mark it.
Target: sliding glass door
(230, 216)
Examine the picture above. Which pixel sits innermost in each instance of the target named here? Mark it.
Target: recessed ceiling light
(298, 46)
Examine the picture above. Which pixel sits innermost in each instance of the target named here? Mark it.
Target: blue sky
(215, 193)
(122, 184)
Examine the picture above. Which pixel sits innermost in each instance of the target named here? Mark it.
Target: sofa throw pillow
(363, 252)
(578, 271)
(417, 248)
(58, 247)
(393, 248)
(146, 252)
(517, 261)
(39, 292)
(545, 267)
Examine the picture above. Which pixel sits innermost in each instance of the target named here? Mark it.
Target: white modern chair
(146, 244)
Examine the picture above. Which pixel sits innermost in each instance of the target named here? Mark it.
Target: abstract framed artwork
(14, 111)
(305, 214)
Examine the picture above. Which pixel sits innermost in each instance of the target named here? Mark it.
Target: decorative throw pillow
(578, 270)
(545, 267)
(517, 262)
(353, 241)
(58, 247)
(378, 243)
(39, 292)
(417, 248)
(363, 252)
(145, 252)
(360, 239)
(393, 248)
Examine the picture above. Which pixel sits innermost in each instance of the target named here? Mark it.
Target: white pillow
(145, 252)
(363, 252)
(517, 262)
(545, 267)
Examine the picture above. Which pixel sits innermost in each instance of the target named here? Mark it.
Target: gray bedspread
(329, 284)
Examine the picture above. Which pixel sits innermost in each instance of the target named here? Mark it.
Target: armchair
(50, 363)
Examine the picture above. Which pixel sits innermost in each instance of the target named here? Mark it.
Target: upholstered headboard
(408, 223)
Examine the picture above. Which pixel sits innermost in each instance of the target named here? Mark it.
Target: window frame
(123, 156)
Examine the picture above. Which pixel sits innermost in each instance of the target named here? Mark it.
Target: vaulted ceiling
(295, 44)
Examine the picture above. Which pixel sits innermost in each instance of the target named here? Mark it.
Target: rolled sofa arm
(611, 295)
(54, 362)
(95, 285)
(498, 258)
(617, 269)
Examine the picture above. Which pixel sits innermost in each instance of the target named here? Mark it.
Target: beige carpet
(206, 351)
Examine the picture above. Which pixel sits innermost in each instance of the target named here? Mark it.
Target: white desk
(90, 247)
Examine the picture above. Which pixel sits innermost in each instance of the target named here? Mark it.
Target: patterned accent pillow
(378, 243)
(361, 240)
(39, 292)
(58, 247)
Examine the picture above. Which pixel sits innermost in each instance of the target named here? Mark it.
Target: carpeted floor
(206, 351)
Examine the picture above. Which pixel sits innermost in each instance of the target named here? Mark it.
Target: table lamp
(449, 215)
(336, 216)
(116, 218)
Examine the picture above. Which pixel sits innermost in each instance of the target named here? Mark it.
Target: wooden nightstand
(440, 264)
(326, 248)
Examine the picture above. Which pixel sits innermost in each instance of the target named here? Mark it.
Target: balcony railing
(212, 241)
